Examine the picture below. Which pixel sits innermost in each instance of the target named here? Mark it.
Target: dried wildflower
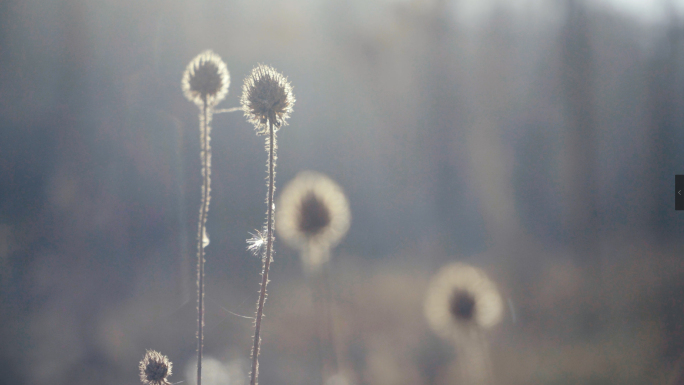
(155, 368)
(461, 301)
(205, 82)
(206, 79)
(267, 102)
(266, 96)
(313, 217)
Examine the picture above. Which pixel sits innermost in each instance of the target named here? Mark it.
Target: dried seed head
(462, 301)
(266, 96)
(206, 79)
(155, 368)
(313, 215)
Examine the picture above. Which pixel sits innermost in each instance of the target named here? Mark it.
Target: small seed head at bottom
(155, 368)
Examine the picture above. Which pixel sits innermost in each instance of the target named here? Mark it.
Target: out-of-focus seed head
(206, 79)
(155, 368)
(266, 96)
(313, 216)
(461, 301)
(312, 210)
(462, 305)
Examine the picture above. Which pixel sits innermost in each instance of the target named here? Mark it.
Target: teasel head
(313, 216)
(462, 302)
(206, 79)
(155, 368)
(266, 96)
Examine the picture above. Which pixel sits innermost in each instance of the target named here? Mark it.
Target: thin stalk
(330, 319)
(322, 303)
(267, 257)
(204, 209)
(224, 110)
(487, 364)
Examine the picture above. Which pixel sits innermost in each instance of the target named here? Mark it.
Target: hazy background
(537, 140)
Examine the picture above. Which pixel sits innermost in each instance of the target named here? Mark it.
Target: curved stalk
(204, 209)
(271, 144)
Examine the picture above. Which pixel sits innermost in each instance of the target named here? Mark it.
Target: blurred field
(537, 141)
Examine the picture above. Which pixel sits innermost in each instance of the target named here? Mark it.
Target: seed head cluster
(206, 79)
(462, 301)
(266, 96)
(155, 368)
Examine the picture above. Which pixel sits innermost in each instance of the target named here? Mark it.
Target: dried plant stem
(332, 325)
(475, 364)
(225, 110)
(322, 302)
(201, 232)
(486, 357)
(271, 147)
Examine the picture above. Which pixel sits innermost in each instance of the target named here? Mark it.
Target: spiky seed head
(313, 214)
(155, 368)
(461, 301)
(266, 96)
(206, 79)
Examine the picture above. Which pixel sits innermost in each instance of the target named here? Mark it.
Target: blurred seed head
(266, 96)
(217, 372)
(461, 301)
(206, 79)
(313, 213)
(337, 379)
(155, 368)
(462, 305)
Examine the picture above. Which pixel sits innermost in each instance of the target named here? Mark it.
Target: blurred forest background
(537, 140)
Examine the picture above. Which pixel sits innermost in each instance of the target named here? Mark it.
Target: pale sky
(648, 11)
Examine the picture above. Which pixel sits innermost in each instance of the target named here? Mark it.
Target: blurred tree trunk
(444, 118)
(472, 167)
(491, 160)
(577, 77)
(666, 107)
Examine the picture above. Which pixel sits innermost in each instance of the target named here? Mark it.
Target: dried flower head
(462, 301)
(206, 79)
(155, 368)
(313, 215)
(266, 96)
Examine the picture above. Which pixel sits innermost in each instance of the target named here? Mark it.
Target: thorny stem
(204, 209)
(224, 110)
(267, 257)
